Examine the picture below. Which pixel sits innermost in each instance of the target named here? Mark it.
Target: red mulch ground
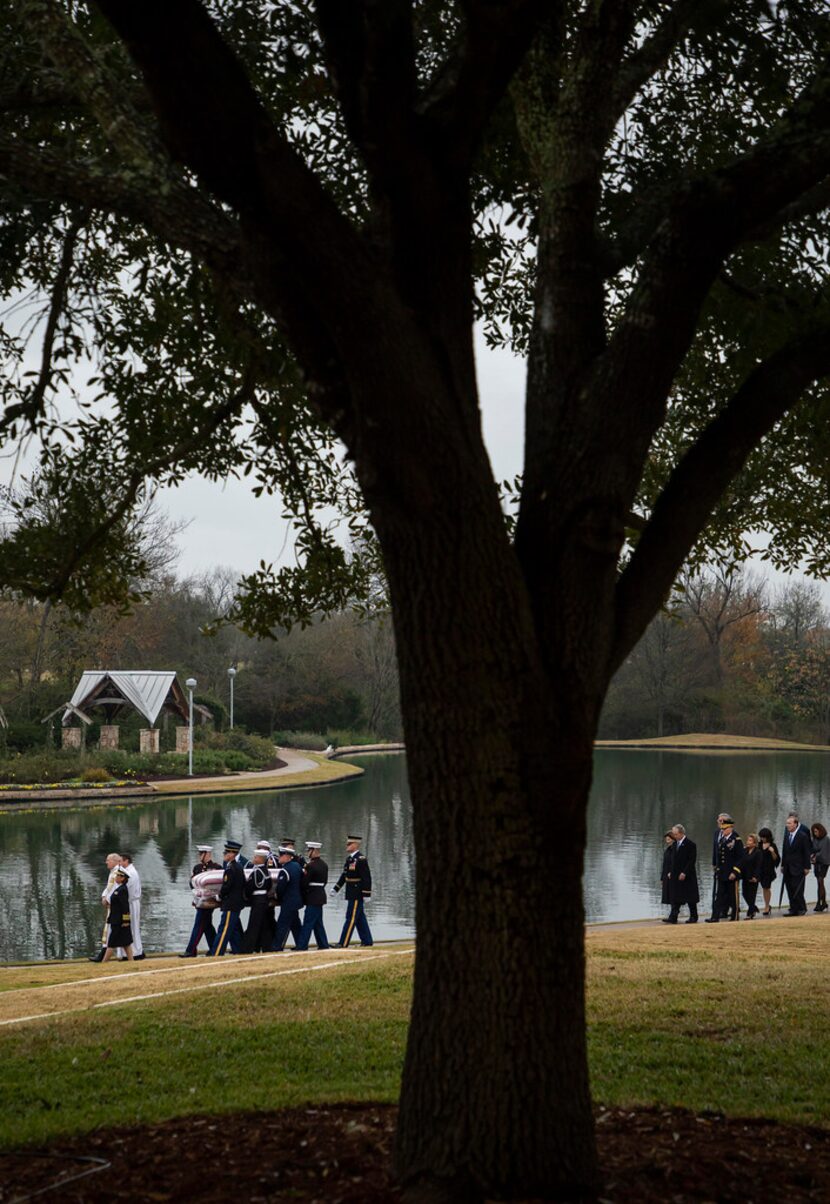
(340, 1155)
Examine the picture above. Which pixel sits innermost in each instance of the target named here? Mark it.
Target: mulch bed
(341, 1155)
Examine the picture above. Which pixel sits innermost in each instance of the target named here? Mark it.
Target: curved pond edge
(323, 772)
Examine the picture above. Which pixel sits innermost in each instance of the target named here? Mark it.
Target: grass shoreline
(693, 1017)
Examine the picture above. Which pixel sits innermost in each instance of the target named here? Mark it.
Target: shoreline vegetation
(673, 1015)
(299, 770)
(714, 742)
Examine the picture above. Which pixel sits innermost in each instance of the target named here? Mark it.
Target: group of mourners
(741, 867)
(284, 892)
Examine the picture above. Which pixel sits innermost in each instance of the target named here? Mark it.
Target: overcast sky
(232, 527)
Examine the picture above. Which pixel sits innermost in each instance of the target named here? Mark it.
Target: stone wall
(72, 737)
(181, 739)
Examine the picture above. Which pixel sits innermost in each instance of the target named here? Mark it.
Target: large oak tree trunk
(495, 1099)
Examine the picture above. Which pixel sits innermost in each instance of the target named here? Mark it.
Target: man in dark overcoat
(683, 886)
(796, 863)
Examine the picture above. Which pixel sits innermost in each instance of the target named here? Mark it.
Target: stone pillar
(181, 739)
(109, 735)
(72, 737)
(148, 740)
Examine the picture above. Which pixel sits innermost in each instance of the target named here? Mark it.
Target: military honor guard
(315, 880)
(231, 903)
(357, 878)
(256, 892)
(288, 842)
(203, 921)
(727, 852)
(289, 897)
(121, 935)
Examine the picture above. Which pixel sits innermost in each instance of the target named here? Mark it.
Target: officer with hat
(203, 921)
(357, 878)
(726, 854)
(315, 876)
(256, 892)
(231, 902)
(288, 842)
(289, 897)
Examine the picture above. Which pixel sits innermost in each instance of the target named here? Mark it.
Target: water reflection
(52, 863)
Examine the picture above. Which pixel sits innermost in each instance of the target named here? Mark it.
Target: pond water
(52, 862)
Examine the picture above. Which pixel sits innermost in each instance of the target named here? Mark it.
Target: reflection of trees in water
(637, 795)
(52, 864)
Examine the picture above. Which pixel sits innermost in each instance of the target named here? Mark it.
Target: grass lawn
(732, 1018)
(714, 741)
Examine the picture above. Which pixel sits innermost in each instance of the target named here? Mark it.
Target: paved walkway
(301, 769)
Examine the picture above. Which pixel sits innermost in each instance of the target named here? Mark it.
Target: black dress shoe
(99, 956)
(187, 955)
(669, 920)
(140, 957)
(692, 920)
(711, 920)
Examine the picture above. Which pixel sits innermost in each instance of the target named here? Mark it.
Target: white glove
(332, 893)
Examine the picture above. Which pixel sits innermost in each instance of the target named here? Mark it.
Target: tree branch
(648, 58)
(703, 475)
(495, 37)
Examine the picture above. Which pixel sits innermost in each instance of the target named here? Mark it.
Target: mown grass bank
(732, 1019)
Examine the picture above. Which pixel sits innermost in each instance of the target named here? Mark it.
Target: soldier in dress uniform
(203, 920)
(231, 902)
(357, 878)
(316, 876)
(727, 852)
(256, 892)
(121, 934)
(289, 897)
(288, 842)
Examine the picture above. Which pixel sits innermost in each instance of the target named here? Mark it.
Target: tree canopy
(240, 236)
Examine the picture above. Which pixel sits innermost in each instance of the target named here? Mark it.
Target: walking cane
(781, 893)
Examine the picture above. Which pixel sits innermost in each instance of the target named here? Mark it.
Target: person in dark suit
(683, 886)
(231, 902)
(796, 863)
(727, 852)
(668, 841)
(750, 867)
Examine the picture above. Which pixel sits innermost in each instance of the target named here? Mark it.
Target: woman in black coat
(668, 842)
(770, 858)
(121, 934)
(750, 867)
(821, 861)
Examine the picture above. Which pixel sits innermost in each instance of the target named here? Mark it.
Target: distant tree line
(729, 652)
(334, 675)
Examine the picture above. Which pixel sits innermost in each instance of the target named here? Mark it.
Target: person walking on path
(728, 848)
(683, 888)
(134, 892)
(203, 920)
(121, 934)
(289, 897)
(750, 867)
(231, 902)
(256, 892)
(796, 863)
(113, 863)
(316, 876)
(821, 860)
(770, 858)
(668, 841)
(357, 878)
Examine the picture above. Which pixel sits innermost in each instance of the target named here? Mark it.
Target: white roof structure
(146, 690)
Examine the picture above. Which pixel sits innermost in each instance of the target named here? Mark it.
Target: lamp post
(231, 676)
(191, 686)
